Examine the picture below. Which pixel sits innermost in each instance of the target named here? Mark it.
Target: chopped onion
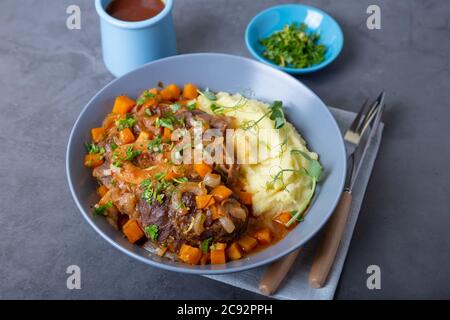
(177, 203)
(198, 223)
(238, 213)
(126, 204)
(233, 208)
(227, 224)
(211, 180)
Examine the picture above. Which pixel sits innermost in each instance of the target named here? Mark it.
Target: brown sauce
(134, 10)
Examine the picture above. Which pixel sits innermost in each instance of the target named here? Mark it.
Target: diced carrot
(264, 236)
(123, 105)
(247, 243)
(204, 201)
(132, 230)
(93, 160)
(204, 259)
(170, 175)
(190, 91)
(283, 217)
(246, 197)
(202, 169)
(221, 192)
(219, 246)
(174, 90)
(234, 252)
(143, 137)
(102, 190)
(190, 254)
(151, 101)
(215, 212)
(218, 256)
(166, 94)
(154, 91)
(126, 136)
(97, 134)
(167, 133)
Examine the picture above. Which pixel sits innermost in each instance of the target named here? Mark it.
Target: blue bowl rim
(288, 69)
(168, 4)
(225, 270)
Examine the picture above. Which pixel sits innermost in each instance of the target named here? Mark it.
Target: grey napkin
(296, 286)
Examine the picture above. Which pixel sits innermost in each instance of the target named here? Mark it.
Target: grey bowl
(218, 72)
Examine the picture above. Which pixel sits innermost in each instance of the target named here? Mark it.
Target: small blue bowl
(275, 18)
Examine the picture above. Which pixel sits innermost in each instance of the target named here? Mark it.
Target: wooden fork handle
(326, 253)
(275, 273)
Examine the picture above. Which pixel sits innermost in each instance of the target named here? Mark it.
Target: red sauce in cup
(134, 10)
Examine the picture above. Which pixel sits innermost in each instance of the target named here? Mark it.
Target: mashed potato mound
(272, 192)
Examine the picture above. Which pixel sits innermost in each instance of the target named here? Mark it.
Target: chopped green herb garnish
(146, 183)
(115, 160)
(183, 122)
(205, 245)
(275, 114)
(180, 180)
(155, 145)
(215, 108)
(117, 164)
(154, 190)
(140, 101)
(160, 175)
(175, 107)
(314, 171)
(191, 106)
(152, 231)
(167, 122)
(113, 146)
(92, 148)
(147, 195)
(131, 154)
(159, 198)
(144, 97)
(102, 210)
(128, 122)
(294, 47)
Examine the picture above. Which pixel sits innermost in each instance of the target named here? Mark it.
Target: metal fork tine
(359, 116)
(372, 112)
(367, 117)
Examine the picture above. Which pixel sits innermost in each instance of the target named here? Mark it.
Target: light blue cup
(128, 45)
(275, 18)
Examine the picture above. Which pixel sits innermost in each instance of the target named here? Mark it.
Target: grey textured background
(48, 73)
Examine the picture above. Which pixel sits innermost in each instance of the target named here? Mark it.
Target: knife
(356, 145)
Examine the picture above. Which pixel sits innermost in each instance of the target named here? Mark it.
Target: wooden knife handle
(326, 253)
(275, 273)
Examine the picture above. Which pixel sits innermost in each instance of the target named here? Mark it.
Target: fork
(326, 252)
(276, 272)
